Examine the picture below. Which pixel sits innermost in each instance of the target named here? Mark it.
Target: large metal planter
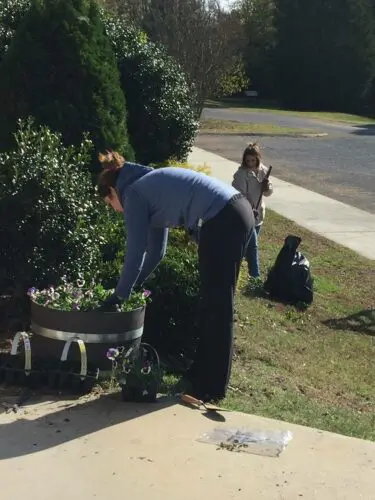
(92, 327)
(98, 330)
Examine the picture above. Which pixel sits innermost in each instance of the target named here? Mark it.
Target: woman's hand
(110, 304)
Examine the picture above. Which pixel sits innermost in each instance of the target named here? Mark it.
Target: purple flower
(75, 307)
(31, 291)
(146, 294)
(112, 353)
(77, 294)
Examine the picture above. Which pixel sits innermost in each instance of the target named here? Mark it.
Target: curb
(262, 134)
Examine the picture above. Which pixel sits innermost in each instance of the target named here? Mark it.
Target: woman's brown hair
(112, 164)
(253, 149)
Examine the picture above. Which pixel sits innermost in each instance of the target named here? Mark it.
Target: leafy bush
(161, 119)
(60, 69)
(171, 323)
(11, 14)
(48, 210)
(112, 248)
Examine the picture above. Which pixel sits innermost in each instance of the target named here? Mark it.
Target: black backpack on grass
(289, 280)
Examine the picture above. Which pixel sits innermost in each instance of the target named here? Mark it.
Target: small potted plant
(137, 371)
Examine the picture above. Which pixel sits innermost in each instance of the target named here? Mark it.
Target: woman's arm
(137, 220)
(156, 248)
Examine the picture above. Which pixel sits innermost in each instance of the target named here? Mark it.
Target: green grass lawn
(239, 128)
(317, 367)
(270, 107)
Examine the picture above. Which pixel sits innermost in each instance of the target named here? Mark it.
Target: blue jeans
(252, 255)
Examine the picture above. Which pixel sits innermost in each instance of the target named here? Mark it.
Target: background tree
(259, 43)
(325, 53)
(133, 10)
(199, 34)
(161, 119)
(60, 68)
(233, 81)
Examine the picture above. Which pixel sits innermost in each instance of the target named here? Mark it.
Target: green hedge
(172, 318)
(161, 119)
(60, 69)
(48, 211)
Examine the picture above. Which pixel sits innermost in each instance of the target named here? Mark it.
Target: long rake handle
(261, 194)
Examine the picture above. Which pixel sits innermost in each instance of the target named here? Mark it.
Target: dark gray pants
(222, 245)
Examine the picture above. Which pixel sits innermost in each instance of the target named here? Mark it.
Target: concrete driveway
(339, 166)
(104, 449)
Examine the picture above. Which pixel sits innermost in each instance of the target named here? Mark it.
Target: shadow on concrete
(366, 129)
(362, 322)
(58, 422)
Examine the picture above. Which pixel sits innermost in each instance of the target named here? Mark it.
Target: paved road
(339, 165)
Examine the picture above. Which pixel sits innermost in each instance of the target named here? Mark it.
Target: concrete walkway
(332, 219)
(104, 449)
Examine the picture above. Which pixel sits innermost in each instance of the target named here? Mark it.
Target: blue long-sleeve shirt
(155, 200)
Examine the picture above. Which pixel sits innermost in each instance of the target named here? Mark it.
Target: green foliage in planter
(48, 210)
(61, 69)
(83, 296)
(161, 119)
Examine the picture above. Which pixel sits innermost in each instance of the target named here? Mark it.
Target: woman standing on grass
(250, 180)
(222, 222)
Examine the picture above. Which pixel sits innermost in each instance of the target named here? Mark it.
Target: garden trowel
(200, 404)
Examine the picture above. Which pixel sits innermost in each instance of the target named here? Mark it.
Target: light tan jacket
(249, 183)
